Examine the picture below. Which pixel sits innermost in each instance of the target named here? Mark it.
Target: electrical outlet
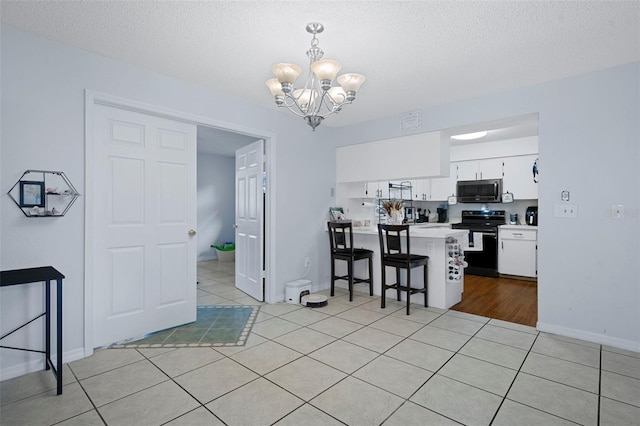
(307, 262)
(566, 210)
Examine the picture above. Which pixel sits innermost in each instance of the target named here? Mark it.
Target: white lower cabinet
(518, 251)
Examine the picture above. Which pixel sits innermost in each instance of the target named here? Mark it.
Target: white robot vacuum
(312, 300)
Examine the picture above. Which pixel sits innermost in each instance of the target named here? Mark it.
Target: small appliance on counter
(410, 214)
(442, 214)
(513, 219)
(422, 216)
(531, 216)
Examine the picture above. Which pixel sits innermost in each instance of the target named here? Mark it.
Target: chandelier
(318, 98)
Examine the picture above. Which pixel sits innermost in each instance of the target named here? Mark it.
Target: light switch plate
(566, 210)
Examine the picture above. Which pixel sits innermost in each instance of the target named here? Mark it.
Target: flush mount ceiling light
(469, 136)
(318, 98)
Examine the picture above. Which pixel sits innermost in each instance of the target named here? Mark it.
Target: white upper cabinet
(518, 177)
(353, 190)
(467, 170)
(414, 156)
(421, 189)
(490, 168)
(442, 188)
(369, 167)
(377, 189)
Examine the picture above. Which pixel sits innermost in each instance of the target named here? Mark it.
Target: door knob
(191, 232)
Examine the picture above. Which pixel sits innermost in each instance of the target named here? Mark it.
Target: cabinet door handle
(502, 245)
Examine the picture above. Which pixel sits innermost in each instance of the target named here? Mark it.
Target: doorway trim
(92, 98)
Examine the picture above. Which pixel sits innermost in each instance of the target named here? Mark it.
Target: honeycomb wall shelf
(43, 193)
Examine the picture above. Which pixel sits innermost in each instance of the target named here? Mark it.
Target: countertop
(419, 230)
(518, 227)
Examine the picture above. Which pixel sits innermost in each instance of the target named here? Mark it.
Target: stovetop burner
(481, 219)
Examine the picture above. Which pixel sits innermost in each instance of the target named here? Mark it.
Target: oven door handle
(484, 232)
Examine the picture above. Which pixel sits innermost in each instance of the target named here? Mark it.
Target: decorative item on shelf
(42, 193)
(31, 194)
(317, 99)
(395, 211)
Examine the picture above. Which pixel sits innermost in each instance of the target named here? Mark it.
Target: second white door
(249, 219)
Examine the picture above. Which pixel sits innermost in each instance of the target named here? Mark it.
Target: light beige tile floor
(348, 363)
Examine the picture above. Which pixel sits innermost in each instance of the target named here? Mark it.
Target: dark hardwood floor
(500, 298)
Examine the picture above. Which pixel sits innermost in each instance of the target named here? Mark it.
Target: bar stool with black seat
(392, 255)
(341, 242)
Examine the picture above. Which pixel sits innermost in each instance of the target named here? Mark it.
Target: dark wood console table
(32, 275)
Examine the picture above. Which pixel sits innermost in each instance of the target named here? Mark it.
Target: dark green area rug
(220, 325)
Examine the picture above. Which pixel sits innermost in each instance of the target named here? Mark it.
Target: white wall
(216, 203)
(42, 107)
(588, 285)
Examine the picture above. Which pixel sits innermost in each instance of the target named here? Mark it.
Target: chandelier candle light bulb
(318, 97)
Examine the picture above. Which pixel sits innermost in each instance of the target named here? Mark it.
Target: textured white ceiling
(414, 54)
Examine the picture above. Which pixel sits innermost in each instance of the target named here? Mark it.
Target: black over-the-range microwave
(479, 191)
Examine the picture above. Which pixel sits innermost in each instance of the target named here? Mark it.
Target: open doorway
(171, 202)
(501, 278)
(218, 223)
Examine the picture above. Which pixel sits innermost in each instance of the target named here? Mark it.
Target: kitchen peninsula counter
(429, 239)
(418, 230)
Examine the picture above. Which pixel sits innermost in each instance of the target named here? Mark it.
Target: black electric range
(484, 224)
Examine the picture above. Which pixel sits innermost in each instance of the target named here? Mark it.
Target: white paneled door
(249, 219)
(144, 263)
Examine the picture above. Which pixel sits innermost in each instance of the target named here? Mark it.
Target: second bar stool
(341, 241)
(392, 255)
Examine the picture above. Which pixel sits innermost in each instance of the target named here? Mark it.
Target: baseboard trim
(38, 365)
(615, 342)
